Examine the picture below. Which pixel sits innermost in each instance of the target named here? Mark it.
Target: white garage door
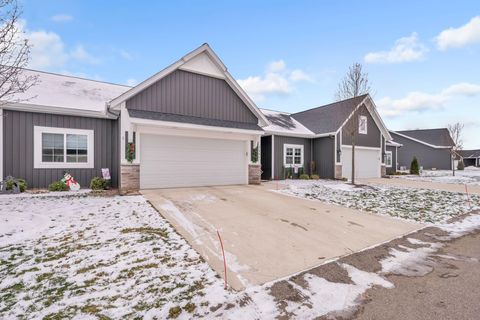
(170, 161)
(367, 163)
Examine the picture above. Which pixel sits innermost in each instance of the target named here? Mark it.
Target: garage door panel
(170, 161)
(367, 163)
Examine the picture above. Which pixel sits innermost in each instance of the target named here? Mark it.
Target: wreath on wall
(130, 152)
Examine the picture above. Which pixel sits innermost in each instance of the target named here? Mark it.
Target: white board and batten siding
(367, 162)
(184, 161)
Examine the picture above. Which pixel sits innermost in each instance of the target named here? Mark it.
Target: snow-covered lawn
(85, 257)
(470, 175)
(98, 257)
(417, 204)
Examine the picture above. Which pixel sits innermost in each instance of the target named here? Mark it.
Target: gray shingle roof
(436, 137)
(470, 153)
(151, 115)
(328, 118)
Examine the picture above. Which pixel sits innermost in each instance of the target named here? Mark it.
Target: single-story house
(470, 157)
(319, 141)
(190, 124)
(432, 147)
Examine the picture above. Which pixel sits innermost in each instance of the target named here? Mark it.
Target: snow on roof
(62, 91)
(393, 143)
(282, 122)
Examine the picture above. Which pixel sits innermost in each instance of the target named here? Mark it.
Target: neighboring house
(391, 156)
(432, 147)
(188, 125)
(316, 141)
(470, 157)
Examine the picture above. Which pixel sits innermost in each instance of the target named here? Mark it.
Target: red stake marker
(468, 197)
(224, 260)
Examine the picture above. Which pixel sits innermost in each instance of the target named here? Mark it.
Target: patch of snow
(409, 261)
(68, 92)
(323, 296)
(470, 176)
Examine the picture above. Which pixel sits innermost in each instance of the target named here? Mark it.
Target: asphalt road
(450, 291)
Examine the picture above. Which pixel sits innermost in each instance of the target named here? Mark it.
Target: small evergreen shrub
(98, 183)
(461, 165)
(314, 177)
(304, 176)
(22, 184)
(57, 186)
(414, 166)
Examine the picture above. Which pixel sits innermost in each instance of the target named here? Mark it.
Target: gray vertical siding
(338, 153)
(192, 94)
(393, 169)
(428, 157)
(324, 157)
(371, 139)
(279, 141)
(266, 157)
(18, 147)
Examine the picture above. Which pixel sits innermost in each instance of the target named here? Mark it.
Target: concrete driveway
(400, 182)
(268, 235)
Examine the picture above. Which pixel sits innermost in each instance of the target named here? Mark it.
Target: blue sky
(422, 57)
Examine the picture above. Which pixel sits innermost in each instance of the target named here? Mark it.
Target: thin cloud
(406, 49)
(459, 37)
(417, 102)
(62, 18)
(277, 80)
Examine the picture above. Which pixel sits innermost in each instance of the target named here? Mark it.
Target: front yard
(99, 257)
(421, 205)
(86, 257)
(469, 176)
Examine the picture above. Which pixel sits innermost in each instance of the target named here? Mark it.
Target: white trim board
(181, 125)
(25, 107)
(422, 142)
(361, 147)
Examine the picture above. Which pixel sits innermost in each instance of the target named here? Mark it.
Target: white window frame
(37, 148)
(391, 159)
(302, 155)
(360, 129)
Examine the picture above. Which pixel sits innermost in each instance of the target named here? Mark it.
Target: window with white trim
(388, 159)
(362, 124)
(63, 148)
(293, 155)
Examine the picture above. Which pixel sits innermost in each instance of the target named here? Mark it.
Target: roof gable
(202, 60)
(436, 137)
(328, 118)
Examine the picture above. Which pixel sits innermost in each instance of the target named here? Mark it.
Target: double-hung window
(293, 155)
(362, 125)
(388, 159)
(63, 148)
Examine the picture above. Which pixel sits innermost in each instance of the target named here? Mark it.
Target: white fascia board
(378, 120)
(423, 142)
(57, 110)
(350, 116)
(180, 125)
(115, 103)
(299, 135)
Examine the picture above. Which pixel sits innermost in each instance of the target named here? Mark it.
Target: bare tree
(456, 132)
(354, 84)
(14, 53)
